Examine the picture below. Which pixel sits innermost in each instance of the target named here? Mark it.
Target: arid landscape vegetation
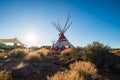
(59, 40)
(95, 61)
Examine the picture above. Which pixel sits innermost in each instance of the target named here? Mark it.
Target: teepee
(62, 43)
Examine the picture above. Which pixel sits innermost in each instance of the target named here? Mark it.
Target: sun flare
(31, 38)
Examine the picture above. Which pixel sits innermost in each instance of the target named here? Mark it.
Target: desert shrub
(2, 54)
(66, 52)
(98, 54)
(84, 68)
(5, 75)
(42, 51)
(73, 53)
(18, 53)
(2, 50)
(52, 52)
(33, 57)
(66, 75)
(78, 71)
(116, 51)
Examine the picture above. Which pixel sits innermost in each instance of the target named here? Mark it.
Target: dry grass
(85, 67)
(116, 51)
(52, 52)
(43, 51)
(66, 51)
(18, 52)
(5, 75)
(78, 71)
(2, 50)
(36, 56)
(33, 57)
(66, 75)
(2, 54)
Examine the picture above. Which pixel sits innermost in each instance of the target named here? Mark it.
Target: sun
(31, 38)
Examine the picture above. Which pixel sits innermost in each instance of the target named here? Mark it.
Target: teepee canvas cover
(62, 43)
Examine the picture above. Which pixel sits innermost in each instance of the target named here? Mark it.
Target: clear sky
(30, 21)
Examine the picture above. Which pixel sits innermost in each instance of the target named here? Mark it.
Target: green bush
(98, 54)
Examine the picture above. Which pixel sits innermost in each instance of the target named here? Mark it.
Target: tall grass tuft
(18, 52)
(78, 71)
(33, 57)
(73, 52)
(66, 75)
(2, 54)
(44, 51)
(84, 68)
(5, 75)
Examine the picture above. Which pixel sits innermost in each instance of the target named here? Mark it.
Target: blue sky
(92, 20)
